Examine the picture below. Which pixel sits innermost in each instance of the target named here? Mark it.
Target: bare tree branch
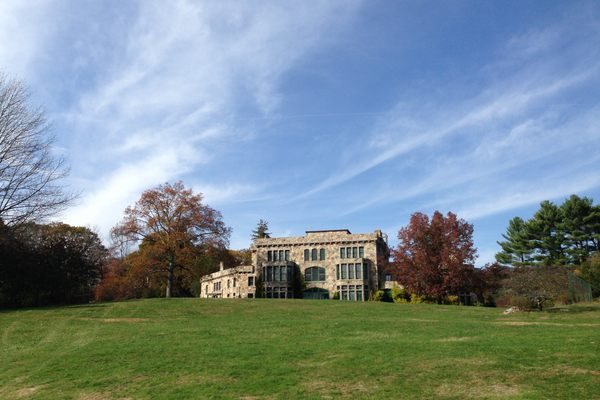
(30, 175)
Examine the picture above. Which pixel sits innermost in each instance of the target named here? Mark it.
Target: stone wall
(233, 282)
(375, 251)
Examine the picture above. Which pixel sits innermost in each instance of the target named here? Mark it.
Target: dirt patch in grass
(93, 396)
(26, 392)
(328, 389)
(571, 370)
(455, 339)
(319, 362)
(99, 396)
(420, 320)
(478, 390)
(533, 323)
(115, 320)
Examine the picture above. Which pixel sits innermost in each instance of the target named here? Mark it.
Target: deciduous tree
(538, 284)
(435, 258)
(30, 175)
(49, 264)
(171, 223)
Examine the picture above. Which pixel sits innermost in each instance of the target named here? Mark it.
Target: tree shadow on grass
(51, 307)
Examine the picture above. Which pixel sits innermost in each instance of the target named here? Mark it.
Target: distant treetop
(261, 231)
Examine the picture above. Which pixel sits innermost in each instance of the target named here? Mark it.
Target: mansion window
(353, 292)
(277, 273)
(352, 271)
(314, 274)
(278, 255)
(250, 281)
(314, 254)
(279, 293)
(352, 252)
(216, 286)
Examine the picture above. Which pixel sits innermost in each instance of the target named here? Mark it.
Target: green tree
(516, 248)
(590, 271)
(581, 227)
(261, 231)
(555, 235)
(546, 235)
(49, 264)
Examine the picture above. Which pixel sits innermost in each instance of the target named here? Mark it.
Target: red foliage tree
(435, 258)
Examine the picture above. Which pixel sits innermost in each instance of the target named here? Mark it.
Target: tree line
(554, 256)
(164, 243)
(565, 234)
(169, 238)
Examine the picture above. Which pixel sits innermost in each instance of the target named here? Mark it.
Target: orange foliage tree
(172, 225)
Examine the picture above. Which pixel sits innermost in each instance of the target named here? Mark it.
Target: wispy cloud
(481, 142)
(167, 98)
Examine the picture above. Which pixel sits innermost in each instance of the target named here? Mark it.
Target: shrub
(378, 295)
(336, 296)
(452, 300)
(399, 294)
(416, 299)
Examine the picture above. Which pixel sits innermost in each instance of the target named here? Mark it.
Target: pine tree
(516, 249)
(545, 232)
(261, 231)
(579, 224)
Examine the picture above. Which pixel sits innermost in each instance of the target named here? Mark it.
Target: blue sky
(318, 115)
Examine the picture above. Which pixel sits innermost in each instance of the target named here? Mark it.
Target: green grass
(191, 348)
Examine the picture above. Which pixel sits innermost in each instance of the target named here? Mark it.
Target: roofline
(330, 230)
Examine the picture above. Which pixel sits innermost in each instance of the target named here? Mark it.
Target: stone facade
(229, 283)
(321, 264)
(330, 262)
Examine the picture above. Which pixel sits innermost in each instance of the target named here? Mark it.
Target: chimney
(221, 266)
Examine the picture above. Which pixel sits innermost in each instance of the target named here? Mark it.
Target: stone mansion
(319, 265)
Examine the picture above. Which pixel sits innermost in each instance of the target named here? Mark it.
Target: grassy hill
(251, 349)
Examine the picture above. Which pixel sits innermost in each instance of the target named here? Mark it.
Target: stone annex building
(332, 263)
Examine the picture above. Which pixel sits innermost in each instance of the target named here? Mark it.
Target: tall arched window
(322, 254)
(314, 255)
(314, 274)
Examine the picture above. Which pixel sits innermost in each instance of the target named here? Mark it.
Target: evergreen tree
(565, 234)
(516, 249)
(261, 231)
(544, 231)
(580, 222)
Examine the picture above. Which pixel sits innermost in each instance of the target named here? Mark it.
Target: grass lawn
(255, 349)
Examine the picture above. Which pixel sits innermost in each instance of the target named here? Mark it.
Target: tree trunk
(169, 279)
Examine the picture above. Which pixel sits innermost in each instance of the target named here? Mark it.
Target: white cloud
(165, 97)
(23, 34)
